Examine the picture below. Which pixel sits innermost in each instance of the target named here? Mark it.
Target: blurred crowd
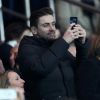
(41, 58)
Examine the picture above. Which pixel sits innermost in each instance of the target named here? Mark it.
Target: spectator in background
(10, 79)
(8, 49)
(45, 62)
(2, 69)
(88, 73)
(14, 31)
(5, 55)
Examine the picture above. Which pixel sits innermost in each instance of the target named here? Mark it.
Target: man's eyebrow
(54, 22)
(49, 23)
(45, 23)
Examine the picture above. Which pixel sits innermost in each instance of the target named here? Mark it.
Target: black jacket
(47, 67)
(88, 79)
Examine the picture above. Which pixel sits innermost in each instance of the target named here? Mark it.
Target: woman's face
(13, 55)
(15, 80)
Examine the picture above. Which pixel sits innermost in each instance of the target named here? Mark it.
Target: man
(45, 61)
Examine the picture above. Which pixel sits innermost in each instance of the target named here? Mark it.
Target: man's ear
(34, 30)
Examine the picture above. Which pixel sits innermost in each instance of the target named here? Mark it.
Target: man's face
(46, 27)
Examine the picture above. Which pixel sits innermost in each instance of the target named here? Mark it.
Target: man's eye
(45, 25)
(53, 24)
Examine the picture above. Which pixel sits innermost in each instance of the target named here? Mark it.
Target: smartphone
(73, 20)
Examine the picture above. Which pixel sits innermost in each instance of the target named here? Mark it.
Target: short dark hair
(39, 13)
(15, 30)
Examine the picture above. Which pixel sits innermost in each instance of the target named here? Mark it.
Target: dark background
(19, 6)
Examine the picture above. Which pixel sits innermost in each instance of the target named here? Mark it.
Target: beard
(54, 35)
(51, 35)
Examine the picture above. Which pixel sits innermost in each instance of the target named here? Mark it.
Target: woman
(2, 69)
(88, 73)
(10, 79)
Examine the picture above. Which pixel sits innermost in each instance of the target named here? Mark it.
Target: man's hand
(70, 34)
(82, 33)
(76, 33)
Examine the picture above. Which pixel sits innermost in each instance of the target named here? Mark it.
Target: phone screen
(73, 20)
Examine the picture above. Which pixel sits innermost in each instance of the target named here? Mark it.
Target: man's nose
(51, 28)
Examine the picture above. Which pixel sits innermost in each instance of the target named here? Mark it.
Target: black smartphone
(73, 20)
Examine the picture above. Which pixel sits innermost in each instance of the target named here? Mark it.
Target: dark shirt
(48, 68)
(88, 79)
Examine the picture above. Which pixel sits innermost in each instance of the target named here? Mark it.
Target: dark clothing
(88, 80)
(5, 55)
(47, 67)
